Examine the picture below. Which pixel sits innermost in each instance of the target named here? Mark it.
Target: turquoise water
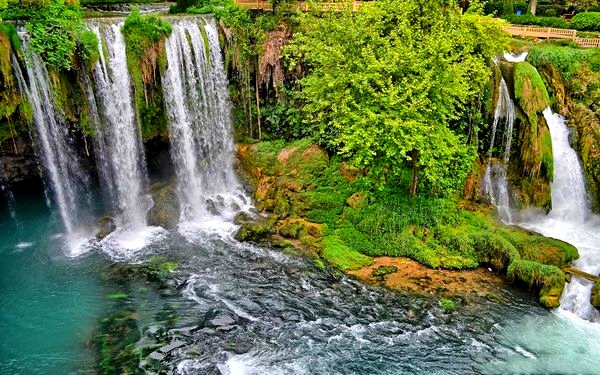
(48, 303)
(239, 309)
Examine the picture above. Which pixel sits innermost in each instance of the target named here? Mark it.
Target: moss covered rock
(165, 211)
(595, 299)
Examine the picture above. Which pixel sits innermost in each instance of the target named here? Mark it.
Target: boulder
(595, 300)
(165, 212)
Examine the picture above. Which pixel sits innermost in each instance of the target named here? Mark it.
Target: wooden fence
(552, 33)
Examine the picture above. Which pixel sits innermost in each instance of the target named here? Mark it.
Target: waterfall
(119, 148)
(62, 167)
(495, 181)
(571, 219)
(569, 197)
(198, 109)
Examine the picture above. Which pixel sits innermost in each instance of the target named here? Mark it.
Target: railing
(255, 4)
(588, 42)
(552, 33)
(301, 5)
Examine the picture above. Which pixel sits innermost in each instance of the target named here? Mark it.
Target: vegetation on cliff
(572, 76)
(146, 57)
(329, 208)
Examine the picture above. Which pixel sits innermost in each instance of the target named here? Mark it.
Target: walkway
(552, 33)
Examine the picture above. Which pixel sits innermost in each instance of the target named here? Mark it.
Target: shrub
(587, 21)
(529, 19)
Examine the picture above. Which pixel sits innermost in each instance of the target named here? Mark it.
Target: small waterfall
(571, 219)
(119, 148)
(198, 108)
(495, 177)
(68, 183)
(569, 197)
(510, 57)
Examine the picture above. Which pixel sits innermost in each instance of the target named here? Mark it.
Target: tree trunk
(415, 175)
(533, 6)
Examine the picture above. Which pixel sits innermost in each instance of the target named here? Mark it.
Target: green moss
(547, 156)
(447, 305)
(595, 298)
(336, 252)
(381, 271)
(549, 279)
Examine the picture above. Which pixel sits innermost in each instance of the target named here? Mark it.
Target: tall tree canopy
(385, 85)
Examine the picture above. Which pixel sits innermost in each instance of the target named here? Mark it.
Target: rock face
(531, 163)
(21, 165)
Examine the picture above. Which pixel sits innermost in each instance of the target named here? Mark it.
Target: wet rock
(256, 232)
(211, 207)
(242, 218)
(220, 321)
(595, 300)
(172, 346)
(165, 212)
(156, 356)
(226, 328)
(107, 226)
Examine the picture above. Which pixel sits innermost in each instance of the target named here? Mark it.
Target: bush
(529, 19)
(520, 6)
(587, 21)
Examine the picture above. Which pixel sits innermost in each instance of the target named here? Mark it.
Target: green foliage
(529, 19)
(447, 304)
(587, 21)
(88, 47)
(385, 83)
(142, 32)
(381, 271)
(144, 42)
(55, 29)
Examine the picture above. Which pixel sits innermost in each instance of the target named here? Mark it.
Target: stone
(595, 300)
(156, 356)
(172, 346)
(220, 321)
(242, 218)
(107, 226)
(165, 211)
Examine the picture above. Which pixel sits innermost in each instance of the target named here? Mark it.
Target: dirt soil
(413, 277)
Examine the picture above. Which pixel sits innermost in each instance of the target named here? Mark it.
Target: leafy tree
(385, 85)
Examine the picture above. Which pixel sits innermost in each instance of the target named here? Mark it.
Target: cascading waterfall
(198, 108)
(64, 174)
(571, 219)
(495, 177)
(118, 141)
